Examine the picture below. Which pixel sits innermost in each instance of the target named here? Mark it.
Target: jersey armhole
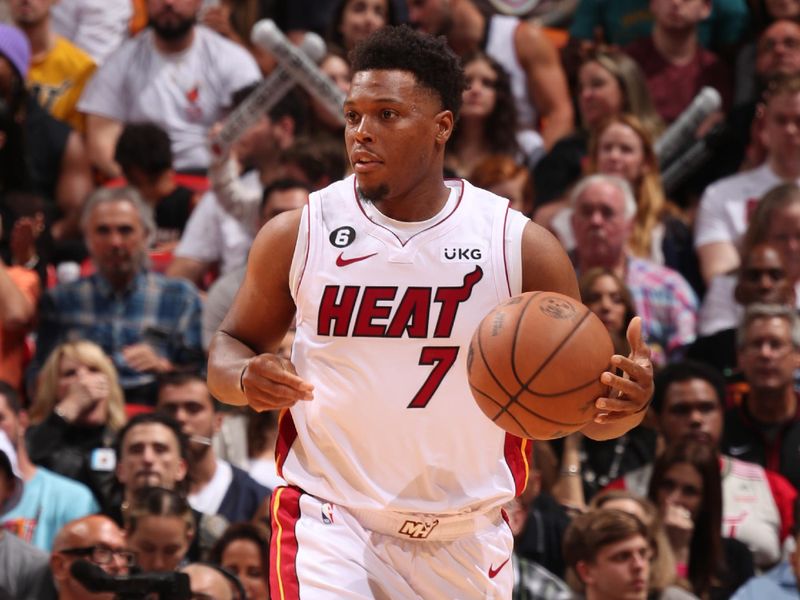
(515, 224)
(300, 256)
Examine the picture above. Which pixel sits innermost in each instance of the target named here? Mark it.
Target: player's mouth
(365, 166)
(364, 162)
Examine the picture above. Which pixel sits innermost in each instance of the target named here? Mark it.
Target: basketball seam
(486, 363)
(513, 398)
(555, 351)
(514, 338)
(510, 414)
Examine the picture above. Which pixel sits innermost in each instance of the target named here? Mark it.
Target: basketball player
(397, 477)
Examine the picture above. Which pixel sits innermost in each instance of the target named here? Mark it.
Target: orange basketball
(534, 364)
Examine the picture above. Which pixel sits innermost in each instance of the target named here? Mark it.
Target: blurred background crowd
(659, 140)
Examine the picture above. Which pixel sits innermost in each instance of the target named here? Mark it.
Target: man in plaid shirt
(603, 211)
(146, 322)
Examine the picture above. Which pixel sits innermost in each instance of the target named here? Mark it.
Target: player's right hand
(271, 382)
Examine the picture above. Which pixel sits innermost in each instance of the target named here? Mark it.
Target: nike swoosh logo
(343, 262)
(493, 572)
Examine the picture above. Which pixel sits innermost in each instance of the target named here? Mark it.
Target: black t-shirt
(171, 214)
(46, 141)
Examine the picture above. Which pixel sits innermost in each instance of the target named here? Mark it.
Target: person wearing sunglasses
(97, 539)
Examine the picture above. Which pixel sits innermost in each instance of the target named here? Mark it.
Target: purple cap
(16, 48)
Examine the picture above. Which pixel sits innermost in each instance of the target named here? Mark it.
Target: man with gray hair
(146, 322)
(764, 427)
(602, 221)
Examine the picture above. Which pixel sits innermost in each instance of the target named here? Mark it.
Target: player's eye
(388, 114)
(351, 117)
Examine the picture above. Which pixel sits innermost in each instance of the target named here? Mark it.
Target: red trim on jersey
(285, 512)
(308, 243)
(402, 243)
(287, 434)
(516, 454)
(505, 258)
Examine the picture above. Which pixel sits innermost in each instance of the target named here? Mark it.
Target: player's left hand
(630, 393)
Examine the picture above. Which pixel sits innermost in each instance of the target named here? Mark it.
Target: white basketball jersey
(383, 331)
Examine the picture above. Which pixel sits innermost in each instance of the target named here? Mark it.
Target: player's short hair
(434, 65)
(686, 370)
(145, 146)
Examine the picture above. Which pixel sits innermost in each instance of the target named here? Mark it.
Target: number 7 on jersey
(442, 358)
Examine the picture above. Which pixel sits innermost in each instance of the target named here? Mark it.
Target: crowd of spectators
(125, 230)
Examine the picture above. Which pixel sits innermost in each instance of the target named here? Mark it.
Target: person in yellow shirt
(58, 70)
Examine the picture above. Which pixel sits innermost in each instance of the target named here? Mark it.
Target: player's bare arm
(242, 365)
(547, 83)
(545, 266)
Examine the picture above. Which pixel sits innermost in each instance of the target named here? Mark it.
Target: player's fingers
(603, 418)
(269, 395)
(639, 349)
(616, 405)
(635, 369)
(634, 334)
(270, 372)
(623, 385)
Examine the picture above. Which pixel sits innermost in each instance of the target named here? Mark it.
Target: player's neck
(418, 204)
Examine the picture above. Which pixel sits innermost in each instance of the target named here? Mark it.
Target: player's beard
(375, 195)
(175, 30)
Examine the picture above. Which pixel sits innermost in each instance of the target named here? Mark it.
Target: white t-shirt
(208, 500)
(213, 235)
(725, 206)
(96, 26)
(500, 46)
(185, 93)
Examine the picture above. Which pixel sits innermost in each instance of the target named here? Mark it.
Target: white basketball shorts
(323, 551)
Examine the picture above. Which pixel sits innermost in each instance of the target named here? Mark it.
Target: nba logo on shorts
(327, 513)
(418, 530)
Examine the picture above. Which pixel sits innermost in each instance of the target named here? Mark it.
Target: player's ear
(444, 126)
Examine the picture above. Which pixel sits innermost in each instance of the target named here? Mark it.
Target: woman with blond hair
(609, 83)
(77, 409)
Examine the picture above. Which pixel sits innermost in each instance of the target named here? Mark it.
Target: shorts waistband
(426, 527)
